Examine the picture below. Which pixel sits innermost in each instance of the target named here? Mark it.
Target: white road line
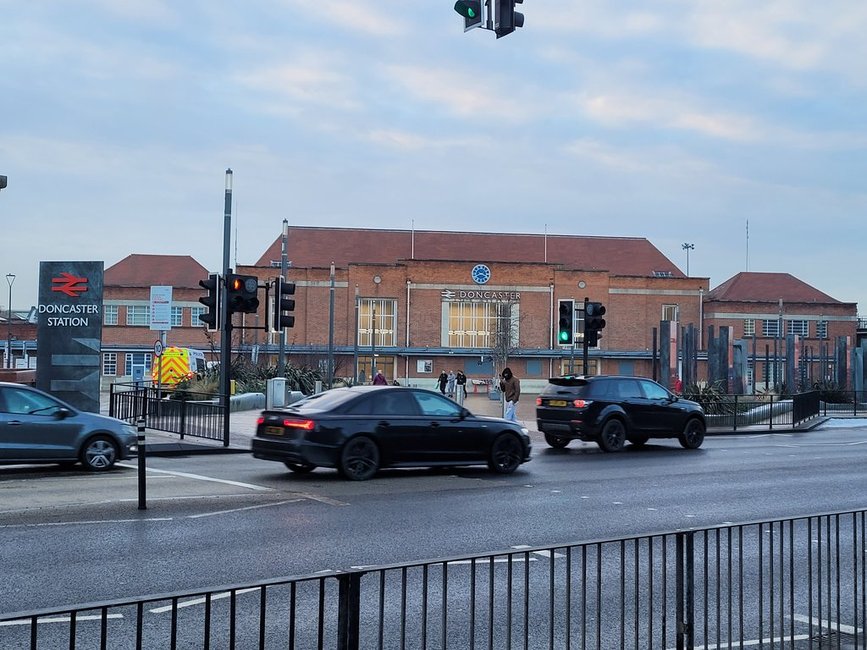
(85, 523)
(58, 619)
(199, 477)
(200, 601)
(321, 499)
(225, 512)
(521, 547)
(827, 625)
(770, 641)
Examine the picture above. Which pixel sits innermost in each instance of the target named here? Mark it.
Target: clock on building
(480, 274)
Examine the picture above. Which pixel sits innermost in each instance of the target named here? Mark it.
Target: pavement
(242, 428)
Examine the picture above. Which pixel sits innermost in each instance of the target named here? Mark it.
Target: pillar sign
(69, 331)
(161, 308)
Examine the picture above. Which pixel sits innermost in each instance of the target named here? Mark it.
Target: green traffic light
(468, 8)
(564, 336)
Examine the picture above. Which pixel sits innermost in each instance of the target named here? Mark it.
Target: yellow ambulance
(177, 364)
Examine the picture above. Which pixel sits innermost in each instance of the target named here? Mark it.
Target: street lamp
(10, 278)
(687, 248)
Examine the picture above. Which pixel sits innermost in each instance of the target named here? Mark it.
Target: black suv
(611, 410)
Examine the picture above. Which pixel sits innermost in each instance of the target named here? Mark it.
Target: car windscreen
(576, 386)
(326, 401)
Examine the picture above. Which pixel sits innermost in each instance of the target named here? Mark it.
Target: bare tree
(504, 335)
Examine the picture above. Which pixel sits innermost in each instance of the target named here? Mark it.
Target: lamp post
(10, 279)
(687, 247)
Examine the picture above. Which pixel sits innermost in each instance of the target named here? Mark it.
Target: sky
(735, 126)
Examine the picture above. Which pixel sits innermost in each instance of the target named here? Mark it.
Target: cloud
(370, 18)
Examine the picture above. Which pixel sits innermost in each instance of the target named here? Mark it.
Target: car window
(628, 389)
(26, 402)
(431, 404)
(363, 406)
(652, 390)
(393, 402)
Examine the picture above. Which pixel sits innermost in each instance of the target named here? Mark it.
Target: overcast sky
(674, 120)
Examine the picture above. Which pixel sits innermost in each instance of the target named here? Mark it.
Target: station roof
(136, 270)
(768, 287)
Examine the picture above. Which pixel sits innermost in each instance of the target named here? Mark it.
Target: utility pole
(225, 316)
(331, 330)
(284, 264)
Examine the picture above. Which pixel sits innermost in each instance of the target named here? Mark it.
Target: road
(72, 537)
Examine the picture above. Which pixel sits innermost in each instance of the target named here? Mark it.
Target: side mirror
(62, 413)
(464, 413)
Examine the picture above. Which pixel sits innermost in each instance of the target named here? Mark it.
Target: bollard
(142, 485)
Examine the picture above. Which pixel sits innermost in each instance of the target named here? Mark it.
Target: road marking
(770, 641)
(84, 523)
(322, 499)
(200, 601)
(199, 477)
(827, 625)
(226, 512)
(521, 547)
(58, 619)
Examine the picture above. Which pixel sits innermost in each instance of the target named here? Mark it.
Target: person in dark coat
(461, 381)
(442, 381)
(379, 379)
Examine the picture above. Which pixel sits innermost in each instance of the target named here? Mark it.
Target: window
(177, 318)
(749, 327)
(482, 324)
(377, 315)
(435, 405)
(652, 390)
(669, 312)
(771, 329)
(195, 312)
(799, 327)
(138, 315)
(137, 359)
(109, 315)
(109, 363)
(822, 329)
(394, 402)
(27, 402)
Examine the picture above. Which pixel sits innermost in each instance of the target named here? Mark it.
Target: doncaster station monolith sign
(69, 331)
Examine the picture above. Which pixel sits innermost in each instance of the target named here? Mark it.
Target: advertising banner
(69, 331)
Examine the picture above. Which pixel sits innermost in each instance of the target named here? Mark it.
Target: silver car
(36, 427)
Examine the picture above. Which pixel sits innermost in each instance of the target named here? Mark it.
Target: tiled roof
(180, 271)
(768, 287)
(318, 247)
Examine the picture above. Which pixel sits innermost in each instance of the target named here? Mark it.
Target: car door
(447, 438)
(662, 415)
(30, 428)
(397, 423)
(634, 403)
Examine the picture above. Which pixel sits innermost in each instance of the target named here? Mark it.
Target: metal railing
(849, 403)
(798, 582)
(184, 413)
(741, 411)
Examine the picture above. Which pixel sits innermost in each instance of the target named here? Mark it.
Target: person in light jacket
(511, 387)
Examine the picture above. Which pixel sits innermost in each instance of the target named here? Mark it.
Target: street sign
(158, 348)
(161, 308)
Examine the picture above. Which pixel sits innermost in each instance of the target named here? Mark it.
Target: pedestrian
(678, 385)
(379, 379)
(450, 384)
(442, 381)
(461, 381)
(511, 388)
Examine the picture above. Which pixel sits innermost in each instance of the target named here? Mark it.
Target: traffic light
(2, 182)
(593, 322)
(242, 294)
(282, 313)
(566, 325)
(211, 318)
(471, 10)
(507, 20)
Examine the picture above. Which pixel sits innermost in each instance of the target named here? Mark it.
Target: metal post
(373, 345)
(586, 369)
(10, 278)
(355, 341)
(225, 317)
(331, 330)
(284, 264)
(142, 469)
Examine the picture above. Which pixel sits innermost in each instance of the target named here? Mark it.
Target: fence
(845, 404)
(740, 411)
(185, 413)
(764, 584)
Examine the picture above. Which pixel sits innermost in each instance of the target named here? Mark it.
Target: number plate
(275, 431)
(557, 402)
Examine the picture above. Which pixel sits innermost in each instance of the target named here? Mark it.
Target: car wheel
(613, 435)
(693, 434)
(299, 468)
(98, 454)
(507, 452)
(638, 441)
(557, 442)
(359, 459)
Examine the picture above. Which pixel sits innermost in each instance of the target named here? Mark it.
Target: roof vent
(663, 274)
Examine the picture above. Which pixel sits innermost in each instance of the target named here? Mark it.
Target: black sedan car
(362, 429)
(611, 410)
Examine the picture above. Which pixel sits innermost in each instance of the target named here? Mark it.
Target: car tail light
(582, 403)
(538, 401)
(307, 425)
(261, 420)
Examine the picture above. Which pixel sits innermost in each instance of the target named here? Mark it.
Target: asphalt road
(72, 537)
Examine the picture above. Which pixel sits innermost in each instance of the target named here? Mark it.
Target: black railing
(181, 412)
(844, 403)
(741, 411)
(798, 582)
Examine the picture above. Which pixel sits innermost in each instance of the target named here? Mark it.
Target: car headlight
(525, 431)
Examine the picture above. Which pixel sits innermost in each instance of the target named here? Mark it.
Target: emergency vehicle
(177, 364)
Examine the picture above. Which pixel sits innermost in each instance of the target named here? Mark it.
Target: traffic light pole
(584, 369)
(224, 315)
